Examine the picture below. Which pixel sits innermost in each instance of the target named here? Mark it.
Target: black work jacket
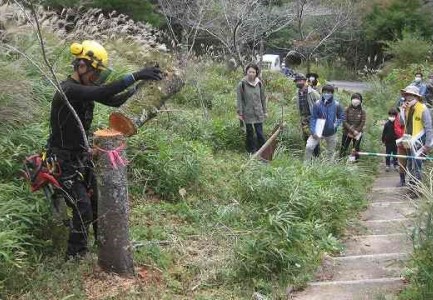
(65, 132)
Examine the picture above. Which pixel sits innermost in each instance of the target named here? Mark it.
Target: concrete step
(386, 182)
(387, 196)
(360, 267)
(388, 210)
(352, 290)
(390, 190)
(377, 244)
(391, 226)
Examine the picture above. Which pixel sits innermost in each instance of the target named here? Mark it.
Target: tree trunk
(114, 253)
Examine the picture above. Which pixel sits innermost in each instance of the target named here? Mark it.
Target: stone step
(388, 265)
(377, 244)
(368, 289)
(388, 210)
(391, 226)
(390, 190)
(389, 196)
(386, 182)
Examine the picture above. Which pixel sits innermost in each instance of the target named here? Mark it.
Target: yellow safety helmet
(91, 51)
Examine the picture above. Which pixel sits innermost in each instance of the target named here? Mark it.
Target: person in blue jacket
(329, 111)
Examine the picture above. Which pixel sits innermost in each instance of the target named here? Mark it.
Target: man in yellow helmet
(66, 142)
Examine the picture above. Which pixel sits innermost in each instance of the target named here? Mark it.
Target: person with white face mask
(418, 123)
(353, 126)
(420, 84)
(392, 130)
(313, 80)
(327, 116)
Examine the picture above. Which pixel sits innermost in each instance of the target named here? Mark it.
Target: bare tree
(239, 26)
(317, 23)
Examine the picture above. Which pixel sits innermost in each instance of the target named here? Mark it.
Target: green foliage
(296, 211)
(410, 49)
(387, 21)
(169, 163)
(420, 267)
(200, 214)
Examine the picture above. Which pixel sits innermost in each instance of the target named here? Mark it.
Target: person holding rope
(353, 125)
(66, 143)
(418, 134)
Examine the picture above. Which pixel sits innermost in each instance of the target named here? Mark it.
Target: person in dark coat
(67, 142)
(389, 136)
(353, 125)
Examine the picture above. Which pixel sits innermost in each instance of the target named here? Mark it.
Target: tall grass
(420, 268)
(211, 228)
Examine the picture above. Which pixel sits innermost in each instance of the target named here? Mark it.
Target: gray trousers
(331, 143)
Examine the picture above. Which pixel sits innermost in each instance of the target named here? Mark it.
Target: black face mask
(300, 85)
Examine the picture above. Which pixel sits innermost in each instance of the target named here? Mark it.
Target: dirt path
(351, 86)
(374, 255)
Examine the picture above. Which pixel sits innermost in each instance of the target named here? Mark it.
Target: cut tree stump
(114, 253)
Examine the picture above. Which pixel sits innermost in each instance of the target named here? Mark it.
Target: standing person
(251, 107)
(429, 92)
(353, 125)
(420, 84)
(418, 125)
(313, 80)
(392, 130)
(284, 69)
(329, 112)
(66, 142)
(307, 97)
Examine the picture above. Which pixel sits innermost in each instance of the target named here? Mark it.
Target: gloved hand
(153, 73)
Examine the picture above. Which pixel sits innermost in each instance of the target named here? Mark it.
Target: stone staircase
(370, 266)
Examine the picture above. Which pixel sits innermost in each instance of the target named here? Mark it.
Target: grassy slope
(229, 232)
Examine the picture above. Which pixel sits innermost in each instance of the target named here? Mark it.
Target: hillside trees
(238, 27)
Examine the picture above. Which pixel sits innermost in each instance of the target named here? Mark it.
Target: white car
(271, 62)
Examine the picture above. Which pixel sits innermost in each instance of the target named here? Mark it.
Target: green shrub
(410, 49)
(168, 164)
(294, 212)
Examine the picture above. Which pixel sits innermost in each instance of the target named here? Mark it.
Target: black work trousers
(391, 148)
(79, 188)
(345, 143)
(254, 141)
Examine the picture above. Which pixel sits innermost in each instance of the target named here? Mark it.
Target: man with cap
(418, 138)
(313, 80)
(327, 116)
(307, 96)
(67, 143)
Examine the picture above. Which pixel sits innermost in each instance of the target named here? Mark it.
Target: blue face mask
(327, 97)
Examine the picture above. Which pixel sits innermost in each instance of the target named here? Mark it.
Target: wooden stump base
(114, 253)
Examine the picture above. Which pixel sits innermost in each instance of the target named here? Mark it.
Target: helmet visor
(102, 76)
